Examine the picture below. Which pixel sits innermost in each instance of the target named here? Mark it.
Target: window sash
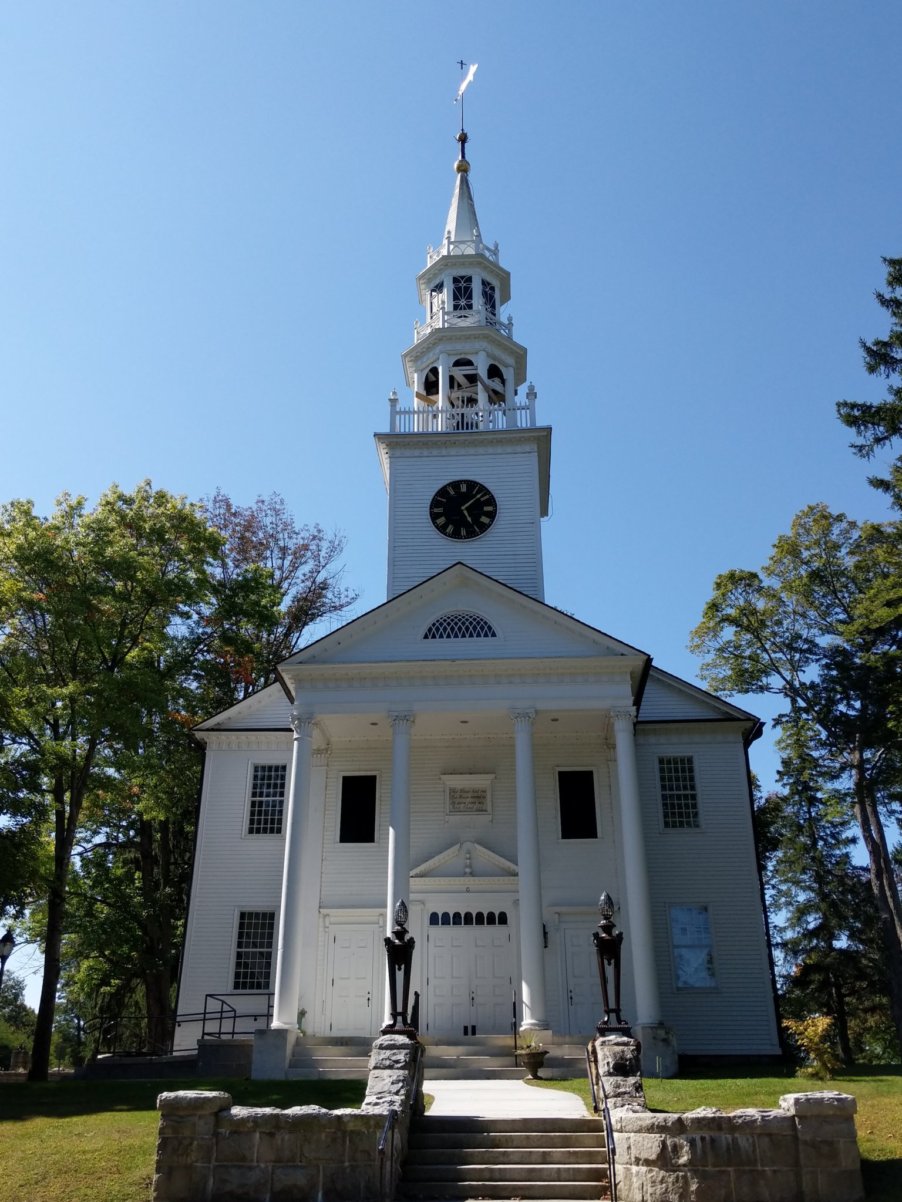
(266, 804)
(253, 950)
(679, 795)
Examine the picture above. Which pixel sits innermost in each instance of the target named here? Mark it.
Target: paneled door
(470, 970)
(355, 1008)
(583, 997)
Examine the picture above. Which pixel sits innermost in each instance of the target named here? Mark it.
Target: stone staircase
(482, 1057)
(521, 1158)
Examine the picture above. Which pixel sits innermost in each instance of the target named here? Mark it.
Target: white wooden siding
(663, 701)
(510, 551)
(713, 866)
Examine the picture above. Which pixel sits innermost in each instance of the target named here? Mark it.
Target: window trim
(662, 825)
(588, 840)
(236, 926)
(246, 832)
(712, 952)
(377, 828)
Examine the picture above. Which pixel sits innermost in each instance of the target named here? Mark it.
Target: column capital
(523, 719)
(302, 723)
(624, 715)
(401, 719)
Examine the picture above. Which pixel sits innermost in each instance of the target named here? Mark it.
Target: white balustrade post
(531, 395)
(288, 955)
(393, 411)
(532, 954)
(639, 937)
(399, 825)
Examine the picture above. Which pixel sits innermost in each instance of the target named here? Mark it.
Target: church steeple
(465, 465)
(464, 367)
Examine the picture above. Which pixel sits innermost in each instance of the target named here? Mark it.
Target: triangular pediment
(495, 622)
(268, 709)
(466, 859)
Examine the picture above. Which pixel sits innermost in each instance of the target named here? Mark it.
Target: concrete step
(548, 1191)
(506, 1144)
(454, 1158)
(486, 1173)
(493, 1154)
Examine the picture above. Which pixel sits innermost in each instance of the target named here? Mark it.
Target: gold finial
(462, 166)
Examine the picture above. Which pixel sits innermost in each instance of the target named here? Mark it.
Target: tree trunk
(842, 1021)
(158, 952)
(883, 886)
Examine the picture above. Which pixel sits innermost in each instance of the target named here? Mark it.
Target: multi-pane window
(693, 954)
(576, 796)
(267, 800)
(460, 624)
(253, 950)
(357, 821)
(489, 302)
(461, 293)
(679, 799)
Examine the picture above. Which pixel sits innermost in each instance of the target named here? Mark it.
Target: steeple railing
(442, 319)
(457, 419)
(462, 246)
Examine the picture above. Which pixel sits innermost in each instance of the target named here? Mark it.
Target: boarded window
(679, 799)
(253, 950)
(357, 823)
(267, 799)
(576, 796)
(693, 955)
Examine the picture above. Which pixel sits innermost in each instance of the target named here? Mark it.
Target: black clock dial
(463, 509)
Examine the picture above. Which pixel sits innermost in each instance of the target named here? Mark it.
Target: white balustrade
(466, 246)
(426, 419)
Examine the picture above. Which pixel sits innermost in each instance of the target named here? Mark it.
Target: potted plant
(531, 1055)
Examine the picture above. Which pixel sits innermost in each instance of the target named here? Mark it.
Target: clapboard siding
(713, 865)
(267, 710)
(663, 701)
(231, 873)
(510, 551)
(520, 633)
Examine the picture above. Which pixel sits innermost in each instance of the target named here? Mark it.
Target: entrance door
(470, 969)
(352, 974)
(583, 999)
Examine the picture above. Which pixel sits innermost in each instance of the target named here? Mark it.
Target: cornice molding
(235, 740)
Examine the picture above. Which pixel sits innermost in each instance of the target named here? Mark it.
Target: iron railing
(220, 1019)
(605, 1111)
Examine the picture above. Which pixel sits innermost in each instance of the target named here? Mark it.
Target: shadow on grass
(63, 1099)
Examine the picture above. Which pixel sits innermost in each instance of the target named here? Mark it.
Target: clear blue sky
(212, 215)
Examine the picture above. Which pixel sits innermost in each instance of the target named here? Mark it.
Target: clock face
(463, 509)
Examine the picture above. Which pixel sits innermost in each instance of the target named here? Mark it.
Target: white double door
(470, 980)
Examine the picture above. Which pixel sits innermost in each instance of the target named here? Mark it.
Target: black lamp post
(399, 952)
(7, 943)
(608, 944)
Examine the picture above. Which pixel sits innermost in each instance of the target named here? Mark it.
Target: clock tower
(465, 465)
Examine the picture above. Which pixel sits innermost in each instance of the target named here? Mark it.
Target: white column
(482, 373)
(532, 955)
(311, 885)
(288, 954)
(444, 366)
(398, 825)
(639, 937)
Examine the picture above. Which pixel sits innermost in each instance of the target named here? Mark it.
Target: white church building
(489, 759)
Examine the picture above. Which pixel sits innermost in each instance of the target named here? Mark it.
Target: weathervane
(465, 83)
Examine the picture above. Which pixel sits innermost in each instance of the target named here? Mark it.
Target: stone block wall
(211, 1151)
(805, 1151)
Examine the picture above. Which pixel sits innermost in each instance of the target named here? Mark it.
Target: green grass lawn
(877, 1090)
(94, 1141)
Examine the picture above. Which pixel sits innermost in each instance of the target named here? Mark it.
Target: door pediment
(465, 862)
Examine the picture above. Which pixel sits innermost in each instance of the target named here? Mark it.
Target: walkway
(501, 1099)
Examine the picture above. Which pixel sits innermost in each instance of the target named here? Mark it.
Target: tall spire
(462, 224)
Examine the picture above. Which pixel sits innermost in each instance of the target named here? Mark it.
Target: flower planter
(532, 1062)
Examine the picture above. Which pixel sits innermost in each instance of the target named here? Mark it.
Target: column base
(272, 1053)
(659, 1049)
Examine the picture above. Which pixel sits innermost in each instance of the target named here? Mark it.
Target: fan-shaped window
(460, 625)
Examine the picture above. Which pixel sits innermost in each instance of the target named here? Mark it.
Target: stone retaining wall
(806, 1151)
(211, 1151)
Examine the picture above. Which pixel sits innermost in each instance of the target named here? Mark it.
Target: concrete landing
(501, 1100)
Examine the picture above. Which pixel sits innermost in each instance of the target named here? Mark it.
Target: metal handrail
(390, 1124)
(592, 1062)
